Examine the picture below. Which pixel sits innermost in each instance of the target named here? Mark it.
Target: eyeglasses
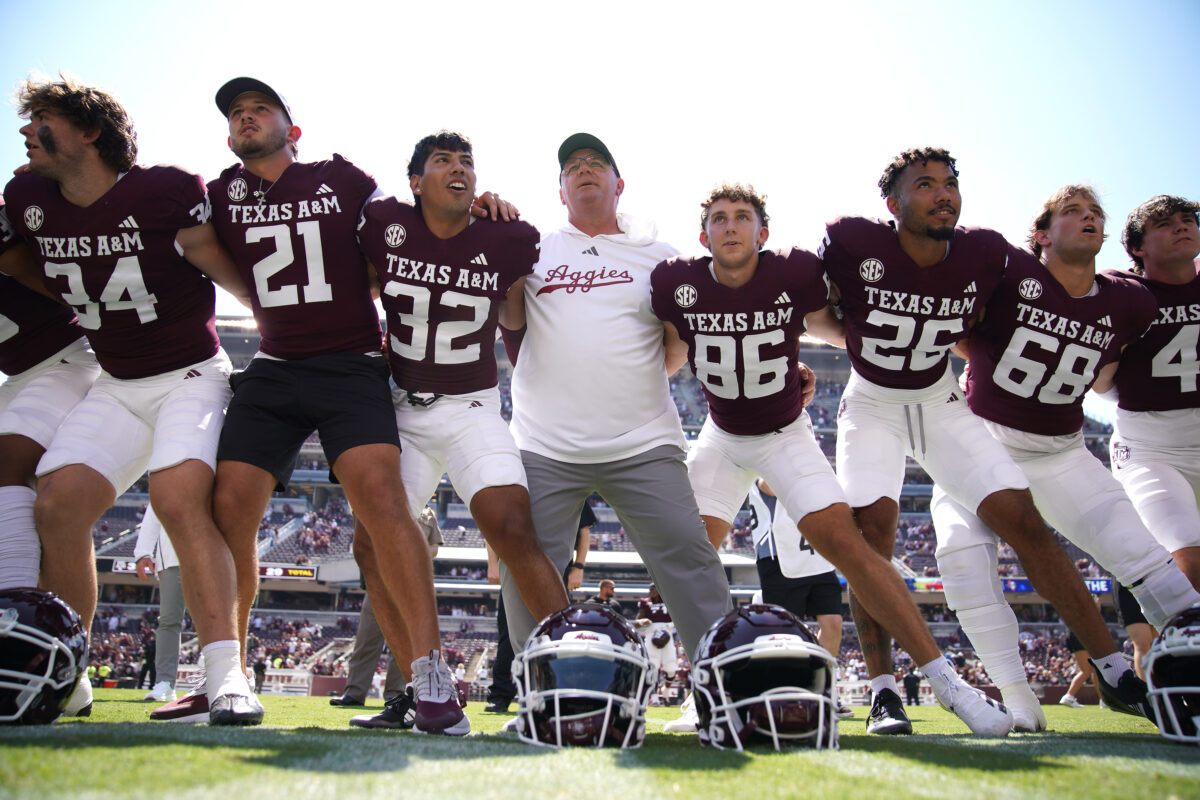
(573, 165)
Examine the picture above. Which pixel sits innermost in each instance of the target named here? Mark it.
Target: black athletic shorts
(1073, 643)
(811, 596)
(1128, 610)
(277, 404)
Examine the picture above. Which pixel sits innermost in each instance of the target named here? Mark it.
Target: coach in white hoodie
(592, 410)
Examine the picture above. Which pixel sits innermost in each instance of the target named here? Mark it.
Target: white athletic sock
(883, 682)
(222, 671)
(20, 550)
(993, 632)
(1112, 667)
(938, 667)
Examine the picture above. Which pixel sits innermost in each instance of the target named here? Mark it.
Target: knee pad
(1163, 593)
(969, 577)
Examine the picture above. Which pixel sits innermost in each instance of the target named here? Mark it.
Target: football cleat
(162, 691)
(346, 700)
(983, 715)
(887, 717)
(399, 713)
(438, 709)
(1127, 697)
(80, 702)
(844, 711)
(192, 707)
(1069, 701)
(235, 709)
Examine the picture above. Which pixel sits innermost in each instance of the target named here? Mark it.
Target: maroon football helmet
(1173, 677)
(760, 676)
(583, 679)
(43, 651)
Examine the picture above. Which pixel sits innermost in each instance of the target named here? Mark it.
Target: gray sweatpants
(170, 624)
(368, 645)
(653, 500)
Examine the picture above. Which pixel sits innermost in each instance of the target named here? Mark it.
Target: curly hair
(442, 140)
(87, 108)
(735, 193)
(1161, 205)
(1055, 202)
(921, 155)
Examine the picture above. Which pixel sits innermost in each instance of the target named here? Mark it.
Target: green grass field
(308, 751)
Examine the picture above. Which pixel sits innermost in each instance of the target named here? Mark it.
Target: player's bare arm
(204, 251)
(373, 280)
(1105, 379)
(823, 325)
(18, 262)
(676, 348)
(512, 308)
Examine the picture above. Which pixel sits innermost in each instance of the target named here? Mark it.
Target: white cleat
(687, 722)
(80, 702)
(161, 692)
(983, 715)
(1026, 720)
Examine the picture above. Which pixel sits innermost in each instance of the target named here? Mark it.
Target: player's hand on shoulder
(491, 206)
(808, 383)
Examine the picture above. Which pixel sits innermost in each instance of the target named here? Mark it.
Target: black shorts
(1073, 643)
(277, 404)
(1128, 610)
(813, 596)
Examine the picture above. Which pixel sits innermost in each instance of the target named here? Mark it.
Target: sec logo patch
(686, 296)
(395, 235)
(237, 190)
(871, 270)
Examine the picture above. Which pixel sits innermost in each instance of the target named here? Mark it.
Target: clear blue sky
(808, 102)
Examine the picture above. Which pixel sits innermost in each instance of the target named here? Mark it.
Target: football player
(653, 620)
(446, 280)
(1051, 329)
(909, 289)
(737, 317)
(50, 367)
(796, 577)
(587, 304)
(132, 250)
(1156, 442)
(291, 228)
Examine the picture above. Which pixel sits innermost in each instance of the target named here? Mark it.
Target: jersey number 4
(1178, 359)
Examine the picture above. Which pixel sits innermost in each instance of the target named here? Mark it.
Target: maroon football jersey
(32, 327)
(901, 319)
(1038, 350)
(1161, 370)
(146, 310)
(744, 342)
(441, 295)
(655, 612)
(297, 252)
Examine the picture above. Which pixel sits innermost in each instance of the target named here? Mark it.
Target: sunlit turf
(307, 750)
